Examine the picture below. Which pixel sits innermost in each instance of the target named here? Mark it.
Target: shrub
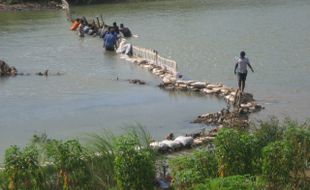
(22, 168)
(298, 137)
(230, 183)
(3, 180)
(277, 164)
(70, 162)
(268, 131)
(236, 152)
(101, 164)
(134, 164)
(188, 170)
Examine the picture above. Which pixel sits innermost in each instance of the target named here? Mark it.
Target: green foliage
(101, 164)
(230, 183)
(236, 152)
(70, 161)
(276, 154)
(277, 164)
(63, 166)
(22, 168)
(298, 138)
(188, 170)
(268, 131)
(134, 164)
(3, 180)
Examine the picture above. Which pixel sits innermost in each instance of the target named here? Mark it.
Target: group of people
(109, 34)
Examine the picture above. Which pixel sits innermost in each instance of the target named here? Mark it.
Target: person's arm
(250, 67)
(236, 66)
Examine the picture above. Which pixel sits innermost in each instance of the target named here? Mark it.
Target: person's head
(112, 30)
(242, 54)
(121, 25)
(114, 24)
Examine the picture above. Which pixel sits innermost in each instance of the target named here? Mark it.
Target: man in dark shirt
(125, 31)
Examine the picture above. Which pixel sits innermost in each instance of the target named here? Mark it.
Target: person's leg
(239, 81)
(242, 85)
(243, 78)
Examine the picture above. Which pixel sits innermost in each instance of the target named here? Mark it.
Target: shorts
(242, 76)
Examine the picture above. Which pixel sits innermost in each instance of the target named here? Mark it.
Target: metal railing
(153, 57)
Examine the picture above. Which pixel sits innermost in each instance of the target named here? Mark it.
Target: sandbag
(172, 144)
(185, 141)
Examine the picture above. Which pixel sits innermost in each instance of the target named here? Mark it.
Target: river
(203, 36)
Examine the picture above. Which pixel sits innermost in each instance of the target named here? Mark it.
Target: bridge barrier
(153, 57)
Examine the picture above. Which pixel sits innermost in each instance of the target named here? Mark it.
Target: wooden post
(102, 19)
(156, 57)
(98, 22)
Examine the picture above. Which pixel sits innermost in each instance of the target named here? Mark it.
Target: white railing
(153, 57)
(65, 5)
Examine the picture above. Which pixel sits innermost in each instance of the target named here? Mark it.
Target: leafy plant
(70, 162)
(22, 168)
(231, 183)
(101, 163)
(277, 164)
(188, 170)
(134, 164)
(236, 152)
(298, 137)
(268, 131)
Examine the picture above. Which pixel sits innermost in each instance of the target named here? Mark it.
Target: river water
(203, 36)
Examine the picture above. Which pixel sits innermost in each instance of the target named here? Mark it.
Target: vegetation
(190, 170)
(271, 156)
(51, 164)
(71, 2)
(134, 163)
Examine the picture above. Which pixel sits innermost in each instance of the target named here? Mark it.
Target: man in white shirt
(241, 65)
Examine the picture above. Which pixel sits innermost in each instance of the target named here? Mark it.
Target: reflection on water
(203, 37)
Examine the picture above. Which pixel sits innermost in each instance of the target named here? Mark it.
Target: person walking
(242, 64)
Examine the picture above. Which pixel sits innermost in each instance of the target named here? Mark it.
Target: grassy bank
(270, 155)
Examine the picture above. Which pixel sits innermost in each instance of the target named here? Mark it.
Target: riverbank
(270, 155)
(5, 7)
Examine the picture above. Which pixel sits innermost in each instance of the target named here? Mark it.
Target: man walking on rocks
(241, 65)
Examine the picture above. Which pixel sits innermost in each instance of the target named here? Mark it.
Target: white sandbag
(159, 146)
(233, 93)
(172, 144)
(211, 86)
(166, 80)
(185, 141)
(216, 90)
(207, 91)
(198, 84)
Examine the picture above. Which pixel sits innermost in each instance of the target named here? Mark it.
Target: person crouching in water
(110, 40)
(125, 31)
(241, 65)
